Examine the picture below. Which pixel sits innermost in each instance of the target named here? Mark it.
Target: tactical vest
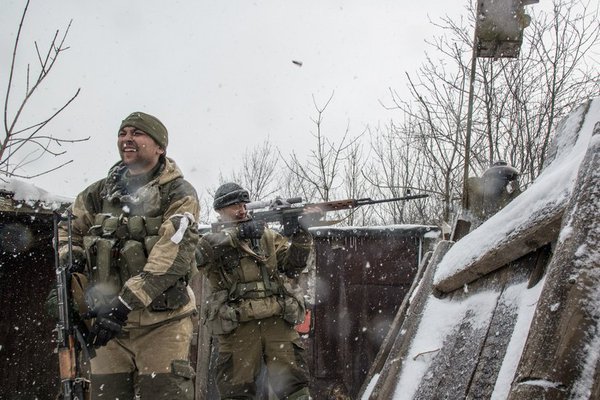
(119, 242)
(247, 285)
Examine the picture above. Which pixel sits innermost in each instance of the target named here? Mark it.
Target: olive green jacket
(252, 280)
(229, 260)
(170, 259)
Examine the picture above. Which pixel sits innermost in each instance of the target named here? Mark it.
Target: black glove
(110, 319)
(251, 229)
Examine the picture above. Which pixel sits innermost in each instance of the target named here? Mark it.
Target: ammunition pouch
(171, 299)
(132, 259)
(79, 284)
(117, 248)
(249, 309)
(136, 228)
(104, 270)
(78, 259)
(251, 290)
(77, 302)
(294, 311)
(223, 316)
(293, 305)
(220, 317)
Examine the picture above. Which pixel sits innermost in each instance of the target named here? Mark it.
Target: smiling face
(138, 151)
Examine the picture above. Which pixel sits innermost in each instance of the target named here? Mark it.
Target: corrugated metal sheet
(361, 278)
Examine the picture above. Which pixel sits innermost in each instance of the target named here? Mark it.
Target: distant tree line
(517, 105)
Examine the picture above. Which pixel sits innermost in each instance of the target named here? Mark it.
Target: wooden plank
(386, 384)
(390, 337)
(10, 206)
(502, 324)
(449, 375)
(560, 357)
(201, 349)
(542, 229)
(457, 366)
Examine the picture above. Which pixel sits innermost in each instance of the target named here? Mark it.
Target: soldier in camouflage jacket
(134, 234)
(255, 301)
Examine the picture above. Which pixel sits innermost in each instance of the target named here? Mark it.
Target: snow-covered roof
(14, 194)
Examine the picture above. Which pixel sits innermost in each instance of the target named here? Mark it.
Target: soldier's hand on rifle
(110, 319)
(251, 229)
(309, 217)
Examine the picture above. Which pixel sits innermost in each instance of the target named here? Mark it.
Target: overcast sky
(219, 74)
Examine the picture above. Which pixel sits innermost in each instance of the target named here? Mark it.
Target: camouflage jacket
(165, 198)
(253, 280)
(221, 253)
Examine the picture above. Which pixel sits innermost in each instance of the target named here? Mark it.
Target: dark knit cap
(149, 124)
(228, 194)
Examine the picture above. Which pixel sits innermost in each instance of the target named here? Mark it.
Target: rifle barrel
(361, 202)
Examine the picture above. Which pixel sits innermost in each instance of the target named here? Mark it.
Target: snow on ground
(552, 187)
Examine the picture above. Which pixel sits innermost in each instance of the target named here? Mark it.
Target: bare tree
(554, 75)
(25, 144)
(207, 214)
(517, 101)
(398, 168)
(436, 126)
(258, 171)
(354, 184)
(321, 174)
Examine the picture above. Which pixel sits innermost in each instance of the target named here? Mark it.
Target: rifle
(70, 337)
(288, 212)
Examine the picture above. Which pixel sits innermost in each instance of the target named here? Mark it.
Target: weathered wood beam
(386, 384)
(388, 342)
(560, 359)
(541, 228)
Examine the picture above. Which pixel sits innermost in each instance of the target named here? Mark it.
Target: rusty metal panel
(362, 276)
(28, 365)
(499, 28)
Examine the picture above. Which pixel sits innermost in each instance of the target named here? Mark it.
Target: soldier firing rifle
(288, 212)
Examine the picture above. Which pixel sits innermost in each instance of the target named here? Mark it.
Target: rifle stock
(288, 212)
(70, 341)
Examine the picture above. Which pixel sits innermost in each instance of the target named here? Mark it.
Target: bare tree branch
(17, 139)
